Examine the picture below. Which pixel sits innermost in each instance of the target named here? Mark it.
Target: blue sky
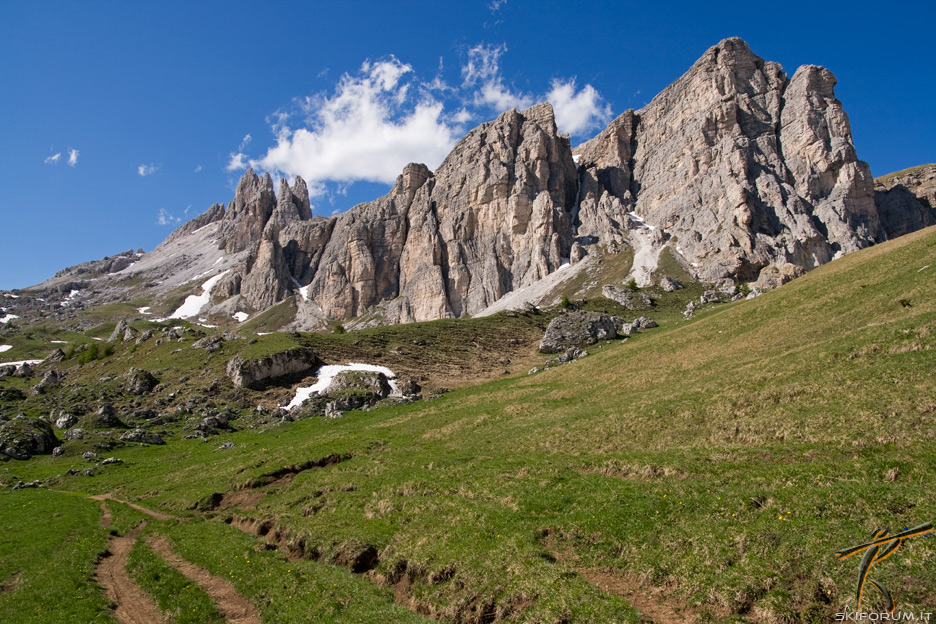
(119, 120)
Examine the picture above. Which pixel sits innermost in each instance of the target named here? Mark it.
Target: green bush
(632, 285)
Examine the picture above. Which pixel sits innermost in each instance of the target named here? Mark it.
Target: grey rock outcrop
(746, 167)
(906, 200)
(245, 218)
(629, 299)
(246, 373)
(139, 381)
(668, 284)
(143, 437)
(577, 328)
(22, 438)
(369, 384)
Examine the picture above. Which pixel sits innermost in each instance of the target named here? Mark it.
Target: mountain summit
(741, 172)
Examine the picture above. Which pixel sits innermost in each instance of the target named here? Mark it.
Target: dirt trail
(233, 606)
(654, 607)
(10, 583)
(105, 515)
(149, 512)
(133, 605)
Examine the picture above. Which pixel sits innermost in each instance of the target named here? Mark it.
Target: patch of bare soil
(655, 607)
(149, 512)
(132, 604)
(105, 515)
(285, 475)
(241, 500)
(233, 606)
(10, 583)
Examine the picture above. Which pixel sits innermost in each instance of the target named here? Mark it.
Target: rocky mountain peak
(740, 172)
(246, 216)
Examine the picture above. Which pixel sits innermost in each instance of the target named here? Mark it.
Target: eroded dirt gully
(132, 605)
(228, 602)
(654, 605)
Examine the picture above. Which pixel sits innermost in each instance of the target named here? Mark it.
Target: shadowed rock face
(257, 373)
(906, 200)
(743, 172)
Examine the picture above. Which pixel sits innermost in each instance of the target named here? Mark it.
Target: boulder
(139, 381)
(21, 438)
(668, 284)
(258, 373)
(577, 328)
(56, 356)
(49, 381)
(209, 343)
(145, 437)
(630, 299)
(366, 384)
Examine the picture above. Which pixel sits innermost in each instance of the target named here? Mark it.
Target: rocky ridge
(743, 173)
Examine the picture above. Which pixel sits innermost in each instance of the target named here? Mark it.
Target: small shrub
(89, 354)
(565, 303)
(339, 329)
(632, 285)
(744, 288)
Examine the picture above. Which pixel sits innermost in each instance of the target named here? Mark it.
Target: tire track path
(233, 606)
(133, 605)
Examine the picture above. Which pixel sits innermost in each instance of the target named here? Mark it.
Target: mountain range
(736, 170)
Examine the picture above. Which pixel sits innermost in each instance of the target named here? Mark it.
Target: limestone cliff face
(743, 172)
(743, 166)
(906, 200)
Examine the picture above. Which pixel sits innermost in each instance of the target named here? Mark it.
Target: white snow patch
(926, 267)
(8, 318)
(208, 326)
(304, 292)
(98, 339)
(59, 341)
(221, 259)
(19, 363)
(241, 316)
(194, 303)
(640, 221)
(264, 333)
(5, 348)
(327, 373)
(68, 299)
(12, 295)
(144, 310)
(576, 158)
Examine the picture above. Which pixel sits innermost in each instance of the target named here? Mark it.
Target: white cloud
(496, 5)
(368, 129)
(236, 161)
(577, 112)
(483, 74)
(383, 116)
(53, 159)
(164, 217)
(72, 157)
(198, 168)
(145, 170)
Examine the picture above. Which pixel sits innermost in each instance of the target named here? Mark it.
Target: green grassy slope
(723, 459)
